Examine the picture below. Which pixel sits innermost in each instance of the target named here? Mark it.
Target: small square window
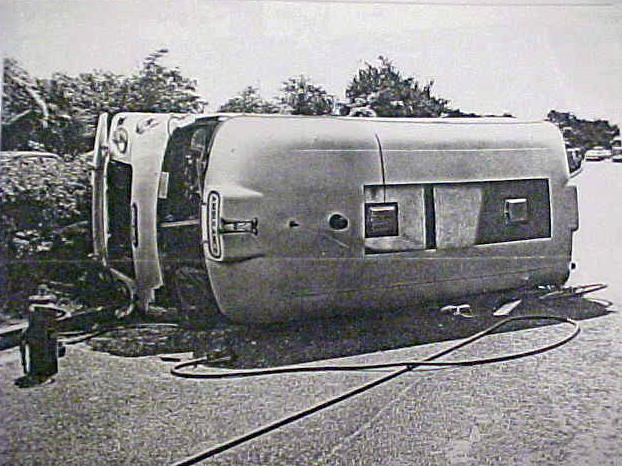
(381, 219)
(516, 211)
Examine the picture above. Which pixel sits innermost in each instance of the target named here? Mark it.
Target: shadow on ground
(238, 346)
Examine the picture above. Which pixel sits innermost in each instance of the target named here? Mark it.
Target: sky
(522, 57)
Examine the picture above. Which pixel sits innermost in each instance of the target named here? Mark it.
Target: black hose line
(572, 291)
(176, 370)
(407, 366)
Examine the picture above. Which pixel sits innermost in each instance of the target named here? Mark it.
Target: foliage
(44, 202)
(584, 134)
(249, 101)
(24, 110)
(41, 201)
(385, 90)
(299, 96)
(156, 88)
(73, 103)
(379, 90)
(37, 198)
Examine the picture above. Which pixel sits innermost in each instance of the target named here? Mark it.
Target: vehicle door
(283, 216)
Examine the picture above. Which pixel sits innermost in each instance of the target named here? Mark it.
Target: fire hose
(406, 366)
(43, 316)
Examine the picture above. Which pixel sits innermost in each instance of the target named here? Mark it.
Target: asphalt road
(561, 407)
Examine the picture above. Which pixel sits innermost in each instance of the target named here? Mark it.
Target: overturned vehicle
(295, 217)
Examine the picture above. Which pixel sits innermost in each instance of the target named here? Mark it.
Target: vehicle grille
(119, 217)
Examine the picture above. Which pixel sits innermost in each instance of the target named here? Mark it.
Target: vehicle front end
(127, 181)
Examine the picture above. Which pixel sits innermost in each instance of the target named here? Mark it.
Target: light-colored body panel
(148, 137)
(305, 175)
(301, 172)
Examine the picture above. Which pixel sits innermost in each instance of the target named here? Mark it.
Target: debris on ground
(167, 330)
(462, 310)
(506, 308)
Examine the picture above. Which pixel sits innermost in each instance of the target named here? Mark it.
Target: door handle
(226, 238)
(237, 226)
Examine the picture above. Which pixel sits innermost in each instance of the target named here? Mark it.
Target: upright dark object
(39, 345)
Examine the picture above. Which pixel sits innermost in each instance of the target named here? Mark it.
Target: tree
(24, 110)
(249, 101)
(583, 134)
(385, 90)
(156, 88)
(73, 103)
(301, 97)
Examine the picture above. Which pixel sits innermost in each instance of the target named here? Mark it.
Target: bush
(44, 218)
(38, 197)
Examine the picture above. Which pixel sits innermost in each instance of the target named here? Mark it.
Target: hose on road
(406, 366)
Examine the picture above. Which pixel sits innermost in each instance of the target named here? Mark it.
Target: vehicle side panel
(292, 175)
